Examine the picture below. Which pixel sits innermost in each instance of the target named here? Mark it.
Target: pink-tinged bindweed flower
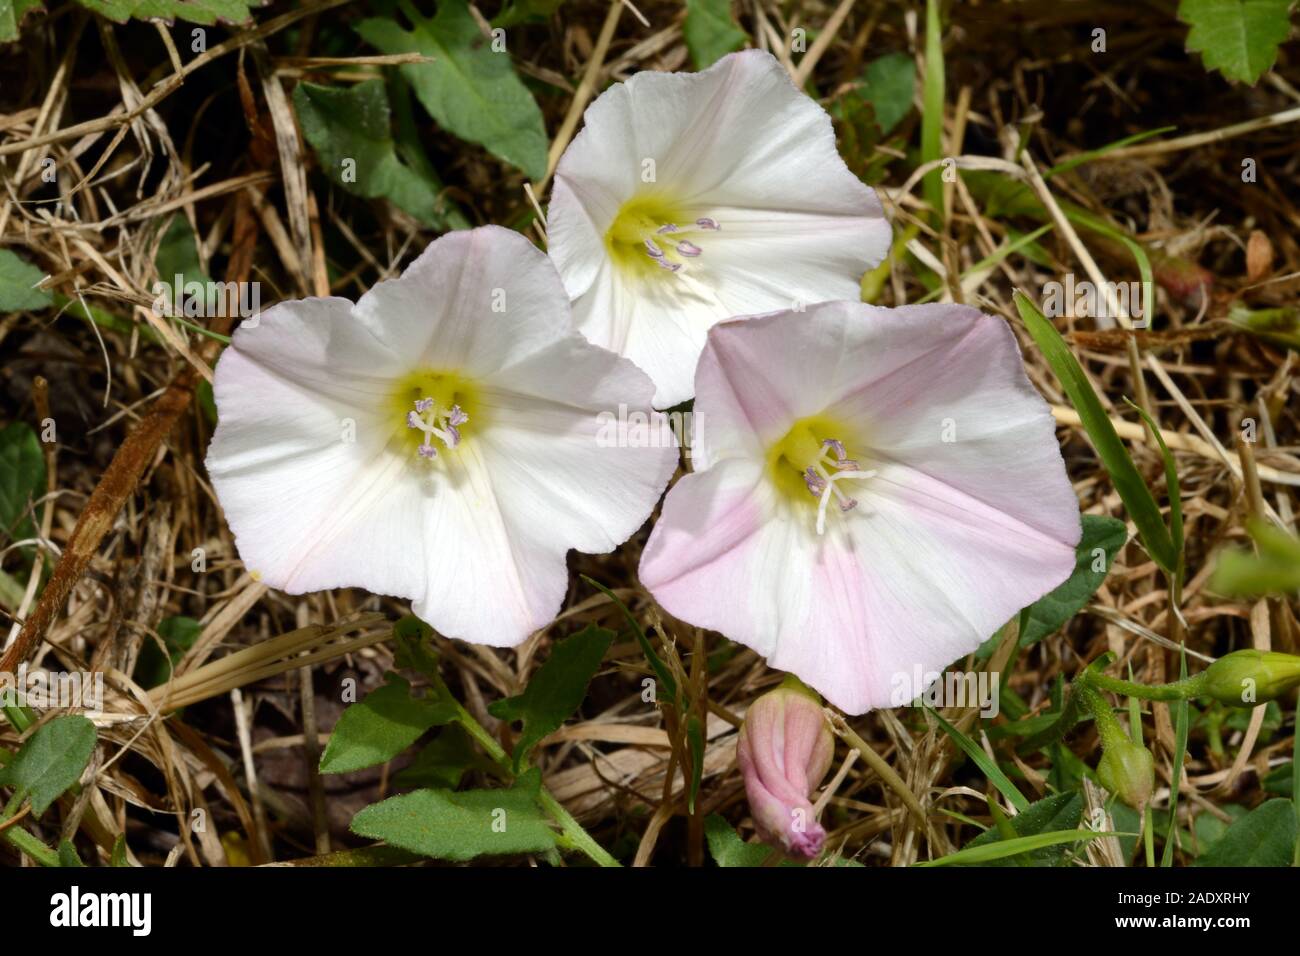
(689, 198)
(876, 492)
(436, 441)
(784, 750)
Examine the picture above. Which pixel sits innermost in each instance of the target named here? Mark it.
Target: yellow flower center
(436, 409)
(812, 460)
(653, 236)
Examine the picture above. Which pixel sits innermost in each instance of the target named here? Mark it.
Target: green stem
(1178, 690)
(1149, 838)
(574, 834)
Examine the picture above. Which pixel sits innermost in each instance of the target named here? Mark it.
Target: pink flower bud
(784, 751)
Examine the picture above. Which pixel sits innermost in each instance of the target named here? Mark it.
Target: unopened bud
(784, 751)
(1250, 677)
(1128, 770)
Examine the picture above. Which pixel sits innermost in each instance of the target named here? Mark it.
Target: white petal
(309, 508)
(474, 301)
(737, 143)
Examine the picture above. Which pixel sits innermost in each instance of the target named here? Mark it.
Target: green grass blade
(932, 95)
(988, 852)
(1181, 721)
(1132, 488)
(990, 769)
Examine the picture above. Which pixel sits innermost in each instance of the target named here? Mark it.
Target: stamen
(707, 223)
(652, 248)
(667, 228)
(427, 451)
(457, 416)
(688, 249)
(428, 423)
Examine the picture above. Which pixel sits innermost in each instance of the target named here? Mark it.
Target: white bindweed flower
(436, 441)
(875, 493)
(689, 198)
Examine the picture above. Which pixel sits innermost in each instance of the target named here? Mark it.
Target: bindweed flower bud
(1250, 677)
(1127, 769)
(785, 749)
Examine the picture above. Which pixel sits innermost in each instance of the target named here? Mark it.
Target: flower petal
(299, 465)
(737, 143)
(949, 539)
(474, 301)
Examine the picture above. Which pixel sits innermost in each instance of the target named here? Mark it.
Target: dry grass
(138, 138)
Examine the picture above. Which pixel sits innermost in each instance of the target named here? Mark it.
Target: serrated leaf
(1239, 38)
(50, 760)
(1264, 837)
(1048, 613)
(350, 129)
(17, 278)
(206, 12)
(1060, 811)
(22, 480)
(469, 89)
(557, 689)
(711, 31)
(464, 825)
(381, 725)
(887, 84)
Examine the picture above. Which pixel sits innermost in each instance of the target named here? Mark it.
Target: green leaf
(1055, 813)
(350, 131)
(17, 278)
(888, 83)
(118, 856)
(728, 849)
(1182, 725)
(11, 16)
(178, 635)
(381, 725)
(1239, 38)
(526, 11)
(50, 760)
(1003, 849)
(206, 12)
(178, 255)
(1264, 837)
(1133, 491)
(1047, 614)
(68, 855)
(1279, 780)
(462, 826)
(662, 674)
(711, 31)
(22, 480)
(443, 762)
(470, 90)
(557, 689)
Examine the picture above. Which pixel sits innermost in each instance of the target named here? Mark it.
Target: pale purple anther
(412, 420)
(652, 248)
(848, 504)
(454, 432)
(667, 228)
(427, 451)
(688, 249)
(670, 266)
(707, 223)
(457, 416)
(815, 482)
(423, 405)
(836, 446)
